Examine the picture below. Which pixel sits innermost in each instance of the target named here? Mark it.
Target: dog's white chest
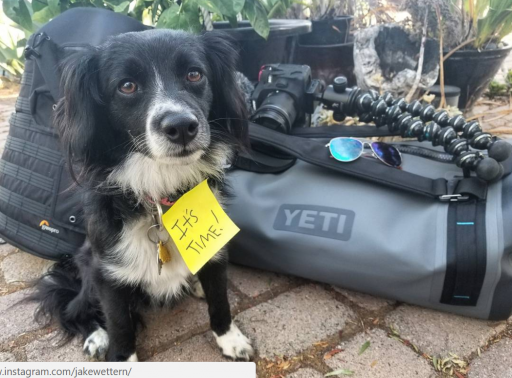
(136, 263)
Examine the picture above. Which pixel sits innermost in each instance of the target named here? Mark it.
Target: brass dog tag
(163, 253)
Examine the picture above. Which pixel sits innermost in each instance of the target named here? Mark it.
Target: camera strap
(315, 152)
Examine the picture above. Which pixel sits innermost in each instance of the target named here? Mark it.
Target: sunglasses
(350, 149)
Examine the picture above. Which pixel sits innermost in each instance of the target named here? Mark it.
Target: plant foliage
(492, 18)
(172, 14)
(29, 16)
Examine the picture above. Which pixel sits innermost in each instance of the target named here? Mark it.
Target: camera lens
(277, 112)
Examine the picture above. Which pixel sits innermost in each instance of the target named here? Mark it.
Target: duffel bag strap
(316, 153)
(254, 161)
(334, 131)
(472, 186)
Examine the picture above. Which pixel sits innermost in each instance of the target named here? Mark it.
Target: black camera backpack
(39, 210)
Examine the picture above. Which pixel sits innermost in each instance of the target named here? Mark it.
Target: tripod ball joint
(445, 136)
(470, 129)
(458, 122)
(500, 150)
(427, 113)
(489, 169)
(457, 147)
(430, 132)
(486, 168)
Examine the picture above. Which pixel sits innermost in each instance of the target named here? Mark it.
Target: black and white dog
(148, 115)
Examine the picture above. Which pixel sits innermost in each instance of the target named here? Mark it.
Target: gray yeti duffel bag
(423, 235)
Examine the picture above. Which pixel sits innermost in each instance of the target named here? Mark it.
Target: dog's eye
(127, 87)
(194, 76)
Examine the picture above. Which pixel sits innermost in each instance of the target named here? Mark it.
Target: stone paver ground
(300, 329)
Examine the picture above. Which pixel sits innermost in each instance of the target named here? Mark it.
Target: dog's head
(167, 95)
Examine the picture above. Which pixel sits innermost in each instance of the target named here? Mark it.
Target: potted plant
(472, 37)
(328, 49)
(331, 21)
(261, 40)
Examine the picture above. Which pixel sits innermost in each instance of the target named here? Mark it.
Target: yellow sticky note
(198, 226)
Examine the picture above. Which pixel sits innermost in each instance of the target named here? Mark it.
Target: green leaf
(7, 52)
(233, 21)
(20, 11)
(98, 3)
(37, 5)
(8, 68)
(113, 3)
(257, 16)
(21, 43)
(228, 8)
(122, 8)
(45, 14)
(185, 17)
(364, 347)
(54, 6)
(339, 372)
(18, 66)
(496, 22)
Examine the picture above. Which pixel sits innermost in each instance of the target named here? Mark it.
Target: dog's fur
(125, 158)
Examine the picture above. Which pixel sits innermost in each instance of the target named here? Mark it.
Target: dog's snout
(180, 128)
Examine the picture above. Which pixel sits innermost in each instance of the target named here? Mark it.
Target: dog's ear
(78, 113)
(229, 108)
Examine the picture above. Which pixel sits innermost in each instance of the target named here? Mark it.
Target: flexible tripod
(424, 122)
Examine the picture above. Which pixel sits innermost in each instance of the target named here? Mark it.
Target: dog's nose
(180, 128)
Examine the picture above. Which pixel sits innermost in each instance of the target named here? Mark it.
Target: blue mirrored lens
(346, 149)
(387, 153)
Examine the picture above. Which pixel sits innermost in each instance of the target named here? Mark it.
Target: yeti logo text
(45, 226)
(322, 221)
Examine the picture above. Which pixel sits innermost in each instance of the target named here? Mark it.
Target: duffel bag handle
(315, 152)
(254, 161)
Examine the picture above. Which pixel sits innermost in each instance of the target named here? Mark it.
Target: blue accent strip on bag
(466, 253)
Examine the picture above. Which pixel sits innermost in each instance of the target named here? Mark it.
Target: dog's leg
(230, 339)
(115, 303)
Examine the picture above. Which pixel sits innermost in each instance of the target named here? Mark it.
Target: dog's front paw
(197, 289)
(96, 345)
(234, 344)
(133, 358)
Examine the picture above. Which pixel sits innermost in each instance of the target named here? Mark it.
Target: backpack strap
(316, 153)
(45, 53)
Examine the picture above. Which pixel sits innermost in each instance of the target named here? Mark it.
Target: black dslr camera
(286, 96)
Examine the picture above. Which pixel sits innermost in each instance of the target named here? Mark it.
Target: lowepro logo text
(45, 226)
(321, 221)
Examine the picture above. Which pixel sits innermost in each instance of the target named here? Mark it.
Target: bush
(171, 14)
